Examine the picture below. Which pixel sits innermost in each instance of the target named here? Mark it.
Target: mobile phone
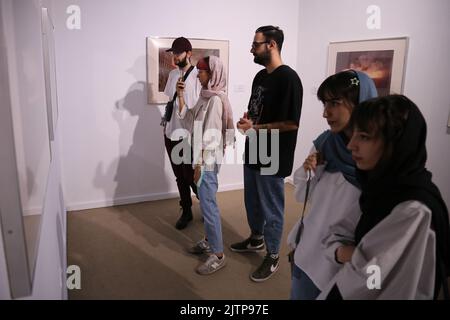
(181, 76)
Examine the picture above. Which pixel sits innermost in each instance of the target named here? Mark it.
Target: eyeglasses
(257, 44)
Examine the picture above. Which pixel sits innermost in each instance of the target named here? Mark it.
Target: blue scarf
(333, 146)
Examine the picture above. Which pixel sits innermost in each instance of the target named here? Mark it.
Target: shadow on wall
(142, 168)
(138, 172)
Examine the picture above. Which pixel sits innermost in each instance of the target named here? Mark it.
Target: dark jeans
(184, 174)
(264, 202)
(303, 288)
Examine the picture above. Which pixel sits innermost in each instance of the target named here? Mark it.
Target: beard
(182, 63)
(262, 59)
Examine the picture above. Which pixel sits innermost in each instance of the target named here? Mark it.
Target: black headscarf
(403, 176)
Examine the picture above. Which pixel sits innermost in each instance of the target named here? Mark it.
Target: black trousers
(184, 174)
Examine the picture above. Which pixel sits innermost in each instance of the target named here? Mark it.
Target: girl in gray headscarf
(212, 121)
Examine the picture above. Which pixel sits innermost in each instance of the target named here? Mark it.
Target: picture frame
(383, 60)
(160, 62)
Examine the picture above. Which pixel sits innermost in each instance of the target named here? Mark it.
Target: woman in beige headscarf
(212, 127)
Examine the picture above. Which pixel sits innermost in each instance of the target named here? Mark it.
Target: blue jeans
(210, 210)
(264, 202)
(302, 286)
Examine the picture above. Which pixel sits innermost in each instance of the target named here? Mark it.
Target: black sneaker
(185, 218)
(266, 269)
(248, 245)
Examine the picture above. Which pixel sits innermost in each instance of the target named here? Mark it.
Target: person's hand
(344, 253)
(197, 173)
(180, 87)
(312, 161)
(244, 123)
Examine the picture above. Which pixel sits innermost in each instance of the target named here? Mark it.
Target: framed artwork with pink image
(382, 59)
(160, 62)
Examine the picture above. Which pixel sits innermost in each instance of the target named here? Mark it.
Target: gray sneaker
(211, 265)
(200, 247)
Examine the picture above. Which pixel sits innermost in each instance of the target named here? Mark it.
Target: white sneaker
(211, 265)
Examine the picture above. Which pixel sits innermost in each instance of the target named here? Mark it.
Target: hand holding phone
(312, 161)
(180, 86)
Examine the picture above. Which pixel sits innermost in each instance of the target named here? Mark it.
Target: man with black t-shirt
(271, 126)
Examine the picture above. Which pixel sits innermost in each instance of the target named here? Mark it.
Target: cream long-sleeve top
(331, 199)
(204, 122)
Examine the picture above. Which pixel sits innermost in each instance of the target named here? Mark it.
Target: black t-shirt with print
(275, 97)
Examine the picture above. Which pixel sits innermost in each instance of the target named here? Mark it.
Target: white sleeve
(342, 233)
(212, 124)
(191, 95)
(192, 92)
(169, 89)
(184, 111)
(402, 248)
(300, 179)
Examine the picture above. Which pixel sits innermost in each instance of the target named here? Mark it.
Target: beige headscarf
(217, 86)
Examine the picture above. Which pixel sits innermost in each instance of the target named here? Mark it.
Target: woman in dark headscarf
(402, 239)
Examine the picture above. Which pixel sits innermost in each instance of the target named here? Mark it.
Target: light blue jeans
(303, 288)
(210, 210)
(264, 202)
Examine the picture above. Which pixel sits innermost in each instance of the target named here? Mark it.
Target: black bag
(167, 113)
(169, 106)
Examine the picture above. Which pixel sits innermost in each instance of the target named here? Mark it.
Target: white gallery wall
(22, 86)
(112, 144)
(427, 77)
(108, 140)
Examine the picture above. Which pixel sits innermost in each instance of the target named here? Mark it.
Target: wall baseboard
(146, 197)
(139, 198)
(32, 211)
